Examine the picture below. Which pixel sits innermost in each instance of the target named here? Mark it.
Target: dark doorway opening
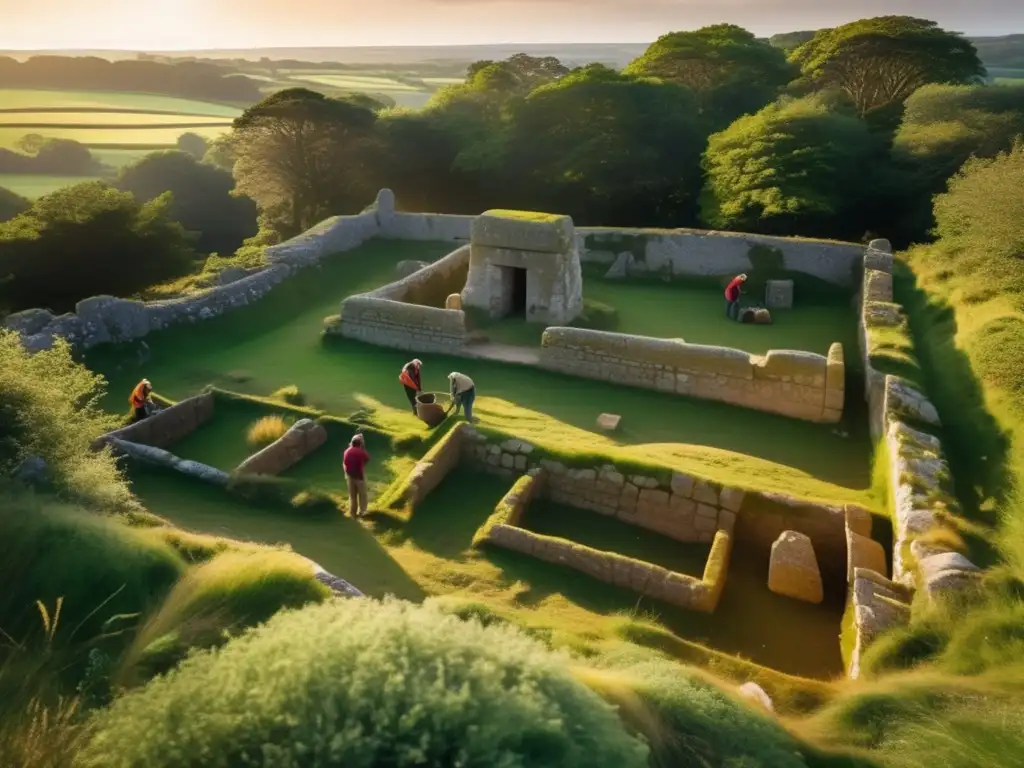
(518, 293)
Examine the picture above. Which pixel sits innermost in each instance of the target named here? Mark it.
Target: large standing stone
(622, 267)
(778, 294)
(793, 570)
(863, 552)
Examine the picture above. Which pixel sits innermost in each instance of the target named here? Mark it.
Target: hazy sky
(195, 24)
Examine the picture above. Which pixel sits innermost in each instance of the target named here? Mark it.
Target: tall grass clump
(233, 591)
(361, 682)
(266, 430)
(100, 567)
(290, 394)
(49, 407)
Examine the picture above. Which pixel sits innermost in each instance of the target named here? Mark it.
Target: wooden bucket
(431, 407)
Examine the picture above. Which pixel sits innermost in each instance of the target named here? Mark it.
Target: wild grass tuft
(290, 394)
(266, 430)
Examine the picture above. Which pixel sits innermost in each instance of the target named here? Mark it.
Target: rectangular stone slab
(523, 231)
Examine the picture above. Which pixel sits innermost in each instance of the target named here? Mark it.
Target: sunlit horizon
(197, 25)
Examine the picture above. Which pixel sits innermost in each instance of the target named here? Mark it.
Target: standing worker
(463, 392)
(140, 400)
(732, 297)
(354, 460)
(410, 378)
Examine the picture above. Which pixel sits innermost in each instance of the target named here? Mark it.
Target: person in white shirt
(463, 393)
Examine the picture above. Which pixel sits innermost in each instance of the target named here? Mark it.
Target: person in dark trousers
(354, 460)
(140, 401)
(463, 393)
(410, 378)
(732, 297)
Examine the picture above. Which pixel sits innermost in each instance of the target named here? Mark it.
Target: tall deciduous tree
(879, 62)
(795, 167)
(85, 240)
(202, 198)
(602, 146)
(302, 156)
(729, 70)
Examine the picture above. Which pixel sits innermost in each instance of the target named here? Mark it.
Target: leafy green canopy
(616, 149)
(86, 240)
(360, 683)
(731, 72)
(796, 167)
(49, 407)
(879, 62)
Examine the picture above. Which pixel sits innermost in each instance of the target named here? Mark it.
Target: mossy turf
(695, 312)
(608, 534)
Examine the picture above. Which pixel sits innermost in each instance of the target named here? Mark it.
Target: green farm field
(14, 98)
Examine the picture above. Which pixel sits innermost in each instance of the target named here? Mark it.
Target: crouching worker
(732, 297)
(355, 460)
(463, 393)
(140, 400)
(410, 378)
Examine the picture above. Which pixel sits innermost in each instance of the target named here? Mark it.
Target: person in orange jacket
(410, 378)
(140, 400)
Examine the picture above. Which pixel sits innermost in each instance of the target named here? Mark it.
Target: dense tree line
(190, 80)
(40, 155)
(847, 132)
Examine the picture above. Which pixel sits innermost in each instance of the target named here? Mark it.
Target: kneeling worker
(410, 378)
(463, 393)
(140, 400)
(354, 460)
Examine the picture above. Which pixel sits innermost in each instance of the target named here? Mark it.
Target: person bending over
(354, 461)
(732, 297)
(463, 393)
(140, 400)
(410, 378)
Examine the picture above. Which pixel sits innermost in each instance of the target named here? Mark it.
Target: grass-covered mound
(362, 683)
(233, 591)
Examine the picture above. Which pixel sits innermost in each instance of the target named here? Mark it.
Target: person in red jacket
(732, 296)
(410, 378)
(354, 461)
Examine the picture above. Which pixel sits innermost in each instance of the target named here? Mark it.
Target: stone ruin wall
(389, 316)
(301, 439)
(166, 427)
(800, 385)
(901, 420)
(694, 252)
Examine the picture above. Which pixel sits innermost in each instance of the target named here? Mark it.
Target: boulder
(793, 570)
(30, 321)
(608, 422)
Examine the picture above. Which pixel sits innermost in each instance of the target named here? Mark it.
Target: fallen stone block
(793, 569)
(609, 422)
(778, 294)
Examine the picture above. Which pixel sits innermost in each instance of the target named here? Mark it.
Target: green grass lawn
(114, 137)
(697, 315)
(276, 343)
(609, 534)
(23, 98)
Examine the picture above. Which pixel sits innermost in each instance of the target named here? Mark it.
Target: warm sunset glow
(199, 24)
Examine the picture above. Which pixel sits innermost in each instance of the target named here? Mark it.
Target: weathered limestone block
(863, 552)
(623, 266)
(946, 571)
(682, 485)
(30, 321)
(608, 422)
(454, 301)
(793, 569)
(878, 260)
(523, 231)
(904, 400)
(778, 294)
(858, 520)
(877, 285)
(732, 499)
(705, 493)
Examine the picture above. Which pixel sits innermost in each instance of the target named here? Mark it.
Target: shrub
(231, 592)
(49, 408)
(266, 430)
(361, 682)
(290, 395)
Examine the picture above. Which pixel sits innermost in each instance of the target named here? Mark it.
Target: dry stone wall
(301, 439)
(681, 252)
(801, 385)
(388, 317)
(165, 427)
(903, 421)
